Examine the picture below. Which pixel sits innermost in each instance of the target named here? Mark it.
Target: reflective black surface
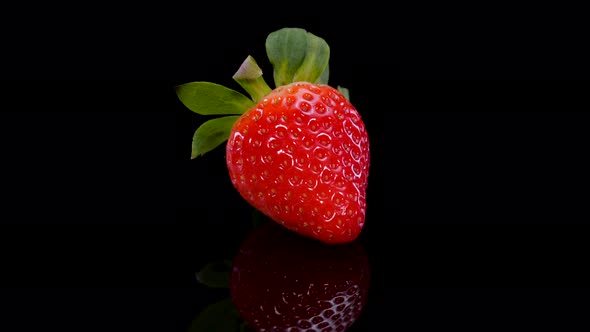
(477, 206)
(476, 213)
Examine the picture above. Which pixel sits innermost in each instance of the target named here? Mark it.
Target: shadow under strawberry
(279, 281)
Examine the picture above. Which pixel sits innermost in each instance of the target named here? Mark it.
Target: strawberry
(283, 282)
(299, 153)
(300, 156)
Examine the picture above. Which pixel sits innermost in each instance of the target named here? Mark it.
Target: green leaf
(345, 92)
(325, 76)
(211, 134)
(220, 316)
(286, 50)
(208, 98)
(249, 76)
(215, 274)
(316, 60)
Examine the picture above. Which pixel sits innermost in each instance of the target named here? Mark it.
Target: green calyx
(295, 54)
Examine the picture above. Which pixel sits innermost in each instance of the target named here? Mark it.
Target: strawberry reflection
(281, 281)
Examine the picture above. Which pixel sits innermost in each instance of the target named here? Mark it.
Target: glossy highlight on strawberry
(301, 156)
(283, 282)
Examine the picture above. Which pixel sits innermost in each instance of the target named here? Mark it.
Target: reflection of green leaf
(215, 274)
(246, 328)
(217, 317)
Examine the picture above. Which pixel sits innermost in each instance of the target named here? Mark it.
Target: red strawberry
(301, 156)
(284, 282)
(298, 153)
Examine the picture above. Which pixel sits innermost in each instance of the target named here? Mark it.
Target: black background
(477, 200)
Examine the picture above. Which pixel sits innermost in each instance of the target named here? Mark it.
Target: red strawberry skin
(301, 157)
(281, 281)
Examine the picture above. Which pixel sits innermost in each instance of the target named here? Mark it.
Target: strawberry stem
(249, 76)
